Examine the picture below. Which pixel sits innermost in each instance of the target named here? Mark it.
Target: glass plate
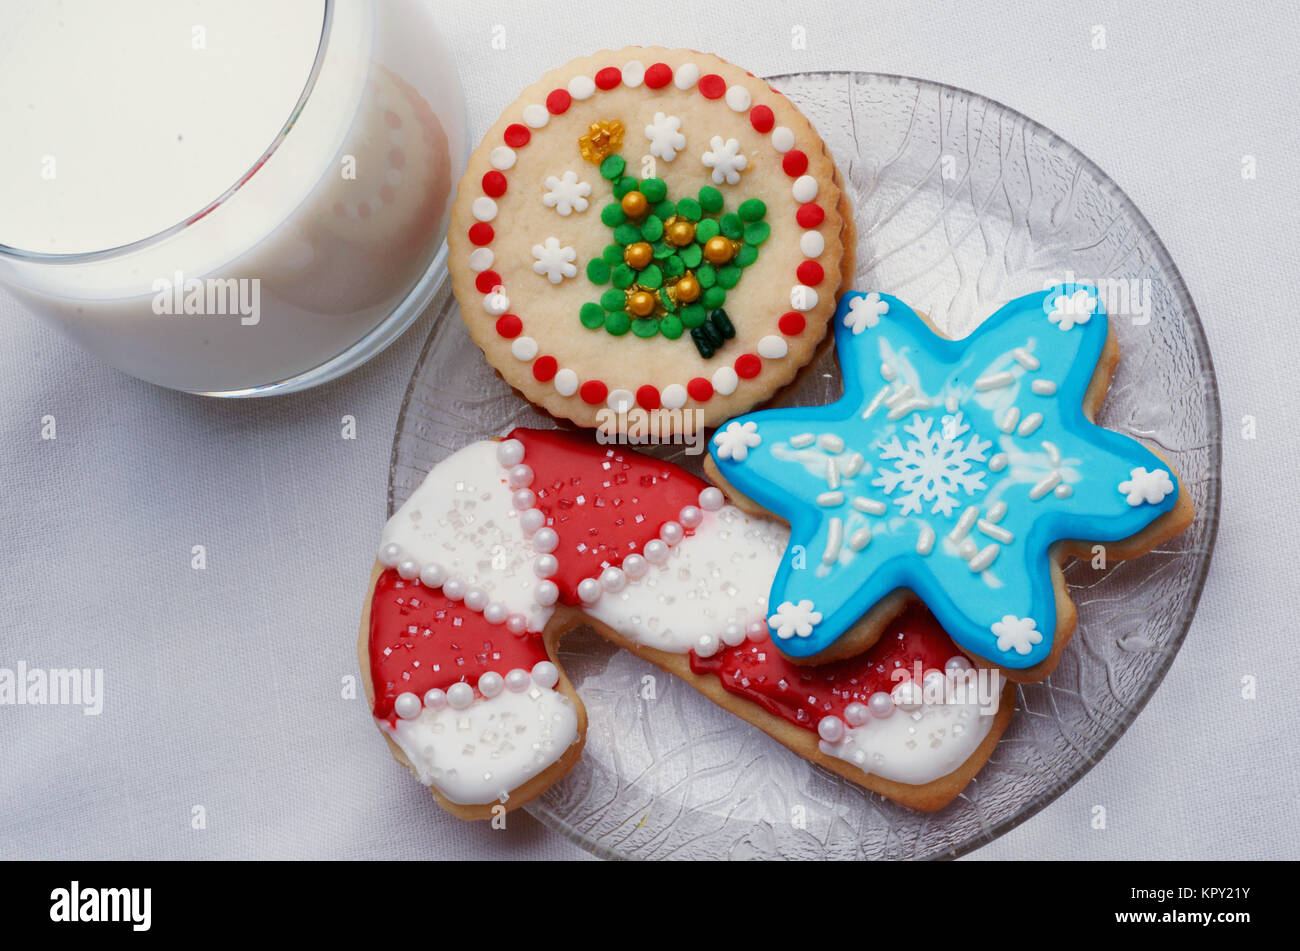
(961, 204)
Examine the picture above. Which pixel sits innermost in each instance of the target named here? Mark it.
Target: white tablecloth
(222, 686)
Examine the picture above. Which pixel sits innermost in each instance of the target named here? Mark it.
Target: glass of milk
(227, 197)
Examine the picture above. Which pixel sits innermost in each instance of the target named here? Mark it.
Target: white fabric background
(222, 686)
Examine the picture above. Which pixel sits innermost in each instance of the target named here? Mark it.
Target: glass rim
(83, 257)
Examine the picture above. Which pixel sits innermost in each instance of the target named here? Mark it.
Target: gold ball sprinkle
(680, 233)
(638, 255)
(718, 250)
(687, 289)
(635, 205)
(641, 303)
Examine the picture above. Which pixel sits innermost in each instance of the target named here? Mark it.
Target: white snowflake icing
(665, 138)
(791, 619)
(555, 261)
(865, 312)
(736, 440)
(1142, 486)
(566, 194)
(725, 160)
(934, 466)
(1017, 633)
(1078, 308)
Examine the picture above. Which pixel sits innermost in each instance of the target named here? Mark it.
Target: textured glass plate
(961, 204)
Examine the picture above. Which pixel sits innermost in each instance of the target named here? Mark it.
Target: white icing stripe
(917, 746)
(478, 754)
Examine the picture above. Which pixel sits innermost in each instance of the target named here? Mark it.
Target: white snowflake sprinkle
(934, 466)
(665, 138)
(791, 619)
(566, 194)
(555, 261)
(1142, 486)
(1017, 633)
(736, 440)
(865, 312)
(1078, 308)
(725, 160)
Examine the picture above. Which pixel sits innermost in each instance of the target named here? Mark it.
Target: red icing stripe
(558, 102)
(809, 216)
(658, 76)
(487, 281)
(517, 135)
(792, 323)
(604, 502)
(713, 86)
(803, 695)
(494, 184)
(762, 119)
(609, 77)
(509, 326)
(545, 368)
(481, 233)
(748, 366)
(420, 640)
(648, 397)
(810, 273)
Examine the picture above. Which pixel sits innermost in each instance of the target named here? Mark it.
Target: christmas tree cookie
(649, 232)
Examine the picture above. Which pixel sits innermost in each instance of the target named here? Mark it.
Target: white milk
(129, 120)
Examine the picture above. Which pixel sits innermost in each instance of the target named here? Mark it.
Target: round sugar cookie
(649, 237)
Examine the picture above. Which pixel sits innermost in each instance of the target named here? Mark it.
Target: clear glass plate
(961, 204)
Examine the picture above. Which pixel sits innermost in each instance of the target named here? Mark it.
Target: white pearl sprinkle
(491, 684)
(407, 706)
(656, 552)
(545, 565)
(546, 540)
(957, 664)
(520, 476)
(782, 139)
(831, 729)
(711, 499)
(706, 645)
(546, 593)
(453, 589)
(510, 453)
(530, 520)
(804, 188)
(517, 624)
(907, 695)
(496, 613)
(757, 631)
(634, 566)
(672, 532)
(880, 704)
(435, 699)
(432, 576)
(613, 580)
(733, 635)
(589, 590)
(460, 695)
(408, 569)
(856, 714)
(546, 674)
(476, 599)
(523, 499)
(517, 680)
(390, 555)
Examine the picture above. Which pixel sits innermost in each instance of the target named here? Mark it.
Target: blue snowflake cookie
(948, 467)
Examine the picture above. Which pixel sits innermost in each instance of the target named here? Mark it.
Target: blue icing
(978, 446)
